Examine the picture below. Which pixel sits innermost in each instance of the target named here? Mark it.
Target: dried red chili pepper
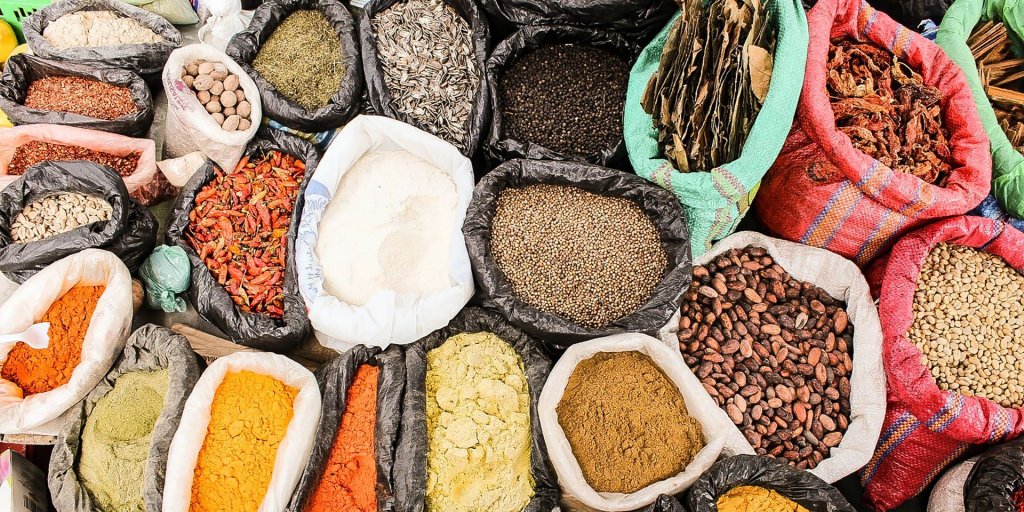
(33, 152)
(238, 227)
(888, 111)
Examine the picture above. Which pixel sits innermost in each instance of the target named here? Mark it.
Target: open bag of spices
(470, 436)
(22, 147)
(708, 124)
(996, 481)
(748, 482)
(102, 34)
(380, 250)
(795, 355)
(557, 94)
(424, 62)
(981, 37)
(35, 90)
(354, 452)
(546, 242)
(625, 421)
(245, 434)
(886, 138)
(243, 267)
(951, 298)
(87, 300)
(637, 20)
(304, 58)
(112, 452)
(59, 208)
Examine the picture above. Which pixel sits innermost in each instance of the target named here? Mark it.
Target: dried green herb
(303, 60)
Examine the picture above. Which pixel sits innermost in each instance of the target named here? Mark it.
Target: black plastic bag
(334, 378)
(665, 503)
(805, 489)
(410, 472)
(998, 474)
(145, 59)
(210, 299)
(344, 104)
(150, 348)
(910, 13)
(130, 233)
(638, 20)
(499, 148)
(21, 70)
(380, 97)
(555, 331)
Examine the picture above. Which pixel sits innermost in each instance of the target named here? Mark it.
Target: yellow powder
(248, 420)
(748, 498)
(478, 427)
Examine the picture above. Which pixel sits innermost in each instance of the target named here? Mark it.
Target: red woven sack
(925, 428)
(823, 192)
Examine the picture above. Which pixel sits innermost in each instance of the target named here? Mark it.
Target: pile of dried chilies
(705, 96)
(888, 111)
(239, 226)
(1001, 73)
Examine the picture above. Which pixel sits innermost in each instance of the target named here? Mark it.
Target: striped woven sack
(927, 429)
(823, 192)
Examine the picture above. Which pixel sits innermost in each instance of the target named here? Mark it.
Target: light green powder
(116, 438)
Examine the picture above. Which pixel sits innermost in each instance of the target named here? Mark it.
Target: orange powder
(38, 371)
(248, 420)
(349, 481)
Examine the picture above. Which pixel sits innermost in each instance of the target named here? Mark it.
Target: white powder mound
(97, 28)
(388, 227)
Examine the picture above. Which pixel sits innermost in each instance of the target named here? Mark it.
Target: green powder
(116, 438)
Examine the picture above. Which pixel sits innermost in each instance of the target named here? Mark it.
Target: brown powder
(626, 422)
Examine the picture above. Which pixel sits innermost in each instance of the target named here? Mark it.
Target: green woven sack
(960, 20)
(715, 201)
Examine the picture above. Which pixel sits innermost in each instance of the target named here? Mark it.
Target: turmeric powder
(749, 498)
(248, 419)
(349, 481)
(39, 371)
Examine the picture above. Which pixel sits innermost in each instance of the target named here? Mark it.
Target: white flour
(388, 227)
(97, 28)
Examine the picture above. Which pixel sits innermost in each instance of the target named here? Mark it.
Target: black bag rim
(523, 41)
(744, 469)
(494, 287)
(986, 488)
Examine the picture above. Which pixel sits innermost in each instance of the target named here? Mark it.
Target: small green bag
(166, 273)
(715, 201)
(957, 25)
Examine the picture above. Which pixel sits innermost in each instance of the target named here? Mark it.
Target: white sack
(388, 317)
(104, 340)
(222, 19)
(842, 280)
(292, 453)
(699, 404)
(948, 493)
(189, 126)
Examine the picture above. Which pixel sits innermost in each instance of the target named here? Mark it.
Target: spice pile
(562, 250)
(968, 316)
(428, 58)
(705, 96)
(349, 480)
(1001, 72)
(626, 422)
(41, 370)
(219, 91)
(774, 352)
(116, 440)
(82, 96)
(541, 100)
(249, 418)
(59, 213)
(239, 225)
(302, 59)
(1018, 499)
(478, 426)
(888, 112)
(388, 227)
(97, 28)
(33, 152)
(747, 498)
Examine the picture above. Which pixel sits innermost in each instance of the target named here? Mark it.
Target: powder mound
(749, 497)
(478, 426)
(97, 28)
(626, 422)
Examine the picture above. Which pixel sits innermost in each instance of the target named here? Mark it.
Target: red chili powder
(1018, 499)
(350, 477)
